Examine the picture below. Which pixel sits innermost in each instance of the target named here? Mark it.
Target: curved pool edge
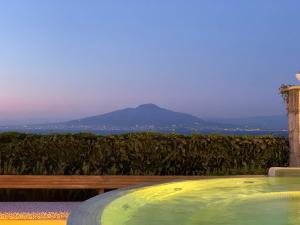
(90, 211)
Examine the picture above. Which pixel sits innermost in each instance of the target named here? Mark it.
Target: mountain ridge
(142, 115)
(152, 118)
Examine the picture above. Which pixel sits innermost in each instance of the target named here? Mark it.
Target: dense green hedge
(140, 154)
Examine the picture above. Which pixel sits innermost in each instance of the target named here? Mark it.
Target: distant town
(152, 118)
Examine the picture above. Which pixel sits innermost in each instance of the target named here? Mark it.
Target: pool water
(237, 201)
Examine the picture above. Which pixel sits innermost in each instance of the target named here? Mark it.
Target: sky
(69, 59)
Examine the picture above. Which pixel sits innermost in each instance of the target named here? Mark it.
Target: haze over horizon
(68, 60)
(20, 121)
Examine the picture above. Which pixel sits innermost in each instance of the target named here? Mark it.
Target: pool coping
(284, 172)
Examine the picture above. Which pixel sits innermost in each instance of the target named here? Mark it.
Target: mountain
(279, 122)
(147, 115)
(150, 117)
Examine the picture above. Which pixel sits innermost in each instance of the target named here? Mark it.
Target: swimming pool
(224, 201)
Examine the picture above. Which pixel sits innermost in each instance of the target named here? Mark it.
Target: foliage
(138, 154)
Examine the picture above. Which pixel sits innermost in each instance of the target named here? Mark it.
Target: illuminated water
(237, 201)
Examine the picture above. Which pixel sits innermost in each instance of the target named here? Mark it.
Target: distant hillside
(263, 122)
(143, 115)
(150, 117)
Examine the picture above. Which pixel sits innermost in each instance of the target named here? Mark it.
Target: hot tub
(223, 201)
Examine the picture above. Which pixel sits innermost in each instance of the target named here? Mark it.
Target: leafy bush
(139, 154)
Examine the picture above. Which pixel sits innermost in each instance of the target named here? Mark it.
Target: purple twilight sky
(69, 59)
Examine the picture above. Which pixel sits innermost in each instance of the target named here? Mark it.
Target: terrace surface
(33, 213)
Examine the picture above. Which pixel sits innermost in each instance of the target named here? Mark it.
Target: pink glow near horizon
(17, 106)
(64, 107)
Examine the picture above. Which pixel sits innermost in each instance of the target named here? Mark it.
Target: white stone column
(294, 124)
